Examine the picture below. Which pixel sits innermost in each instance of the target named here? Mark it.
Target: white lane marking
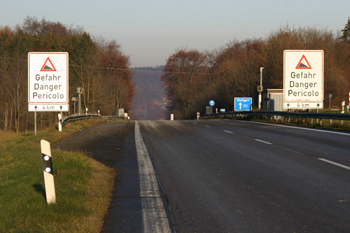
(301, 128)
(226, 131)
(153, 212)
(207, 126)
(334, 163)
(258, 140)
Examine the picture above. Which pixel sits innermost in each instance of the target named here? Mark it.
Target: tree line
(192, 78)
(96, 65)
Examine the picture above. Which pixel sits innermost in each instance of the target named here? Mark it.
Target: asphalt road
(235, 176)
(138, 205)
(227, 176)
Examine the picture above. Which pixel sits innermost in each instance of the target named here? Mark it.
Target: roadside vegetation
(192, 78)
(98, 66)
(83, 185)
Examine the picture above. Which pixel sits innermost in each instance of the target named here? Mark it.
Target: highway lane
(236, 176)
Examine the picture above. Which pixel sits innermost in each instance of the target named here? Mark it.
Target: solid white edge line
(258, 140)
(153, 212)
(334, 163)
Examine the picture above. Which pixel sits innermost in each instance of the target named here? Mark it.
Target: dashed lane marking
(334, 163)
(262, 141)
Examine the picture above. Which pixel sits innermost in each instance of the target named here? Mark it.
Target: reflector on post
(48, 172)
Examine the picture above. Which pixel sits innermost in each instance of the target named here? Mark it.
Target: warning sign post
(48, 81)
(303, 79)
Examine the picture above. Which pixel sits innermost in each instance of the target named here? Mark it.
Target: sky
(149, 32)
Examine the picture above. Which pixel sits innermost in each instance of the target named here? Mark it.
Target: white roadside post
(342, 111)
(48, 172)
(172, 117)
(60, 122)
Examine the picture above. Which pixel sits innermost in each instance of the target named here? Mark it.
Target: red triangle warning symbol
(48, 66)
(303, 63)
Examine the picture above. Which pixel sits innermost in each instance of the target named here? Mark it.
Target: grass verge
(83, 185)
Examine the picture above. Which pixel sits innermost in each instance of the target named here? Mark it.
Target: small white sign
(48, 107)
(303, 105)
(303, 78)
(48, 78)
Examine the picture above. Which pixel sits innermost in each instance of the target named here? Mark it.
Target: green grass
(83, 186)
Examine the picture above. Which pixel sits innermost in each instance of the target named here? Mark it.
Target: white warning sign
(48, 80)
(303, 79)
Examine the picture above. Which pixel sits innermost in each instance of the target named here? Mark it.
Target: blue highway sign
(243, 104)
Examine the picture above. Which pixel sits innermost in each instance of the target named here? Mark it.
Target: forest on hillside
(96, 65)
(150, 97)
(192, 78)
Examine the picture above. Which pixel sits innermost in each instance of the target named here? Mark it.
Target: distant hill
(150, 97)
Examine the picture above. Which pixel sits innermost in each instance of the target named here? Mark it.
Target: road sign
(48, 81)
(243, 104)
(303, 78)
(48, 107)
(211, 102)
(303, 105)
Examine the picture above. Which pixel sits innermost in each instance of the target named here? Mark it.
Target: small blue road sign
(211, 102)
(243, 104)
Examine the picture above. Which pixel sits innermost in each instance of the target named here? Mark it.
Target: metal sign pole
(79, 104)
(34, 123)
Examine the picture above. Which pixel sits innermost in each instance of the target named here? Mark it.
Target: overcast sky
(150, 31)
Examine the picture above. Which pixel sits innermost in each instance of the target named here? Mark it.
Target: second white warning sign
(303, 79)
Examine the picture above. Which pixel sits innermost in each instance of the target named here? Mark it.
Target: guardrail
(332, 116)
(86, 116)
(77, 118)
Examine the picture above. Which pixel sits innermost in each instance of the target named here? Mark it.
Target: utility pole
(260, 88)
(79, 91)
